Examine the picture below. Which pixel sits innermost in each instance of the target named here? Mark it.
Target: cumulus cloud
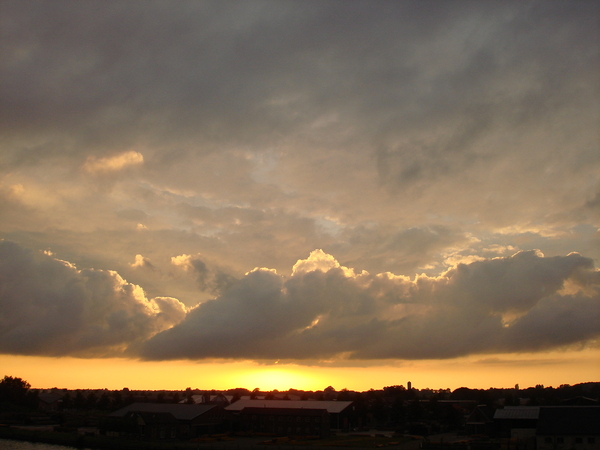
(142, 263)
(50, 307)
(323, 310)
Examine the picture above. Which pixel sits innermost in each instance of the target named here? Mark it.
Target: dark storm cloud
(324, 310)
(49, 307)
(246, 72)
(420, 98)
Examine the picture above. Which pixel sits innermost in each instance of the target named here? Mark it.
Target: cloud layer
(323, 311)
(180, 146)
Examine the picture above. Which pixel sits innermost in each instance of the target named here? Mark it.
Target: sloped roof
(155, 417)
(517, 412)
(481, 414)
(584, 401)
(177, 410)
(330, 406)
(569, 421)
(284, 411)
(50, 397)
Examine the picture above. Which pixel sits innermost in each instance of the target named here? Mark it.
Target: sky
(294, 194)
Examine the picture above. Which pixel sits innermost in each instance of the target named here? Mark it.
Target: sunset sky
(292, 193)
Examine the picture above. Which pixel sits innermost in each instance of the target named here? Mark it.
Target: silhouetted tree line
(393, 407)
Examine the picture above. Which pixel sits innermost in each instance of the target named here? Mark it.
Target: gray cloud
(401, 137)
(209, 279)
(49, 307)
(324, 310)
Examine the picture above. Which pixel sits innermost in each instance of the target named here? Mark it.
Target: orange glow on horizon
(280, 378)
(482, 372)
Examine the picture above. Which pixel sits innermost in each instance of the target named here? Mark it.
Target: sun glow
(279, 378)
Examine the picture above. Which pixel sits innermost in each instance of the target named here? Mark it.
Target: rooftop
(517, 412)
(177, 410)
(330, 406)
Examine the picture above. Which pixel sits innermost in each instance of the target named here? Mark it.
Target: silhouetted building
(517, 422)
(285, 421)
(49, 401)
(568, 427)
(167, 421)
(342, 414)
(480, 421)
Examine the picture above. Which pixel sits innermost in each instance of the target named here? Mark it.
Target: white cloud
(142, 262)
(318, 260)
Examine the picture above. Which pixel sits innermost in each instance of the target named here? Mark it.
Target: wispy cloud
(113, 163)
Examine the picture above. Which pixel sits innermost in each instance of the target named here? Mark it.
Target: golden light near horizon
(475, 372)
(279, 378)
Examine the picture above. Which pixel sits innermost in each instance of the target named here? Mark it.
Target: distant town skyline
(286, 193)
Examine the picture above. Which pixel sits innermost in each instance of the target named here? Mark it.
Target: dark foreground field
(208, 443)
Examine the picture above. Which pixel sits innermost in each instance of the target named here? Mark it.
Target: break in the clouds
(177, 146)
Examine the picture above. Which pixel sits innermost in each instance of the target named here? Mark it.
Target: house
(568, 427)
(342, 415)
(167, 421)
(49, 401)
(480, 421)
(285, 421)
(517, 422)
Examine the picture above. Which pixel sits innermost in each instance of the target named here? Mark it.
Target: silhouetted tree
(463, 393)
(379, 411)
(104, 402)
(344, 395)
(67, 402)
(398, 414)
(188, 395)
(79, 402)
(13, 390)
(117, 400)
(510, 399)
(416, 412)
(395, 391)
(91, 400)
